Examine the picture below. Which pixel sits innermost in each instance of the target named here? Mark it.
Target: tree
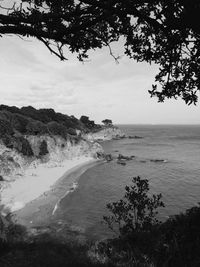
(133, 219)
(84, 119)
(107, 122)
(136, 211)
(43, 148)
(164, 32)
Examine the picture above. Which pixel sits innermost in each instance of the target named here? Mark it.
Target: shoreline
(41, 212)
(36, 182)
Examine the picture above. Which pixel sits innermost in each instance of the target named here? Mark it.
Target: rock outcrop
(105, 134)
(29, 137)
(46, 149)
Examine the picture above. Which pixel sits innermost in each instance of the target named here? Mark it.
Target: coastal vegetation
(107, 122)
(162, 32)
(37, 141)
(16, 123)
(141, 240)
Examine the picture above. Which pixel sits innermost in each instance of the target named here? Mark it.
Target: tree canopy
(107, 122)
(165, 32)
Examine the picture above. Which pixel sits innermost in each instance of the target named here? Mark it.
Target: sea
(167, 155)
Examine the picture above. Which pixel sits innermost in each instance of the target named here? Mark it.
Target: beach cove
(33, 187)
(168, 156)
(40, 212)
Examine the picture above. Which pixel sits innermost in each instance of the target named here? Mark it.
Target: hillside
(38, 145)
(15, 123)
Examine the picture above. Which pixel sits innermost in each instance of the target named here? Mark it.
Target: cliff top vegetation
(16, 122)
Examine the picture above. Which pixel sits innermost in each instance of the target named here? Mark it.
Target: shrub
(136, 211)
(133, 219)
(23, 146)
(5, 128)
(71, 131)
(43, 148)
(179, 242)
(8, 140)
(57, 129)
(36, 127)
(19, 123)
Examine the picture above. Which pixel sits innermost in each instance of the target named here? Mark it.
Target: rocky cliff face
(29, 137)
(13, 163)
(105, 134)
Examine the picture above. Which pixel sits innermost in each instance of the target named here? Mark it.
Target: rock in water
(108, 157)
(121, 162)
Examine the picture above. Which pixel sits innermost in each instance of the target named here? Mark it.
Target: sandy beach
(41, 212)
(37, 182)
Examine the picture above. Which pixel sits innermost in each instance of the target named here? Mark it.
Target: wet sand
(41, 212)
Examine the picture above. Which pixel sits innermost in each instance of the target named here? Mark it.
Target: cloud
(100, 88)
(16, 55)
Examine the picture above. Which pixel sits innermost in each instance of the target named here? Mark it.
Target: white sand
(36, 182)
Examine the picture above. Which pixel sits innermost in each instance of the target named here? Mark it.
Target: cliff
(32, 139)
(13, 163)
(104, 134)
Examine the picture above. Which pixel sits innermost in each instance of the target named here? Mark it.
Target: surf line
(71, 190)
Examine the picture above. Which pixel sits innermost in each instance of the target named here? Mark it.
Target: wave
(72, 188)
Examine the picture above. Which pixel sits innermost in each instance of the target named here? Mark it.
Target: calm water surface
(177, 178)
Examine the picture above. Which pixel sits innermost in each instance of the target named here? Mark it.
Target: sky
(99, 88)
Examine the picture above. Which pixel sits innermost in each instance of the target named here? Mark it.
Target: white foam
(71, 190)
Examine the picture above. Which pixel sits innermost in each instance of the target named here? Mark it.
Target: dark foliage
(44, 250)
(142, 240)
(174, 243)
(165, 32)
(107, 122)
(19, 143)
(36, 127)
(8, 141)
(43, 148)
(22, 145)
(179, 242)
(71, 131)
(136, 211)
(133, 219)
(19, 123)
(55, 128)
(84, 119)
(5, 128)
(16, 123)
(88, 123)
(31, 121)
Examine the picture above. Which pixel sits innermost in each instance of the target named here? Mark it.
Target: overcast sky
(100, 88)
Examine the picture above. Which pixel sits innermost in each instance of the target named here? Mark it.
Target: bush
(179, 242)
(133, 219)
(57, 129)
(43, 148)
(5, 128)
(23, 146)
(19, 123)
(43, 251)
(71, 131)
(8, 141)
(136, 211)
(36, 127)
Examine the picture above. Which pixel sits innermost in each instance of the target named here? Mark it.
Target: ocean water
(177, 176)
